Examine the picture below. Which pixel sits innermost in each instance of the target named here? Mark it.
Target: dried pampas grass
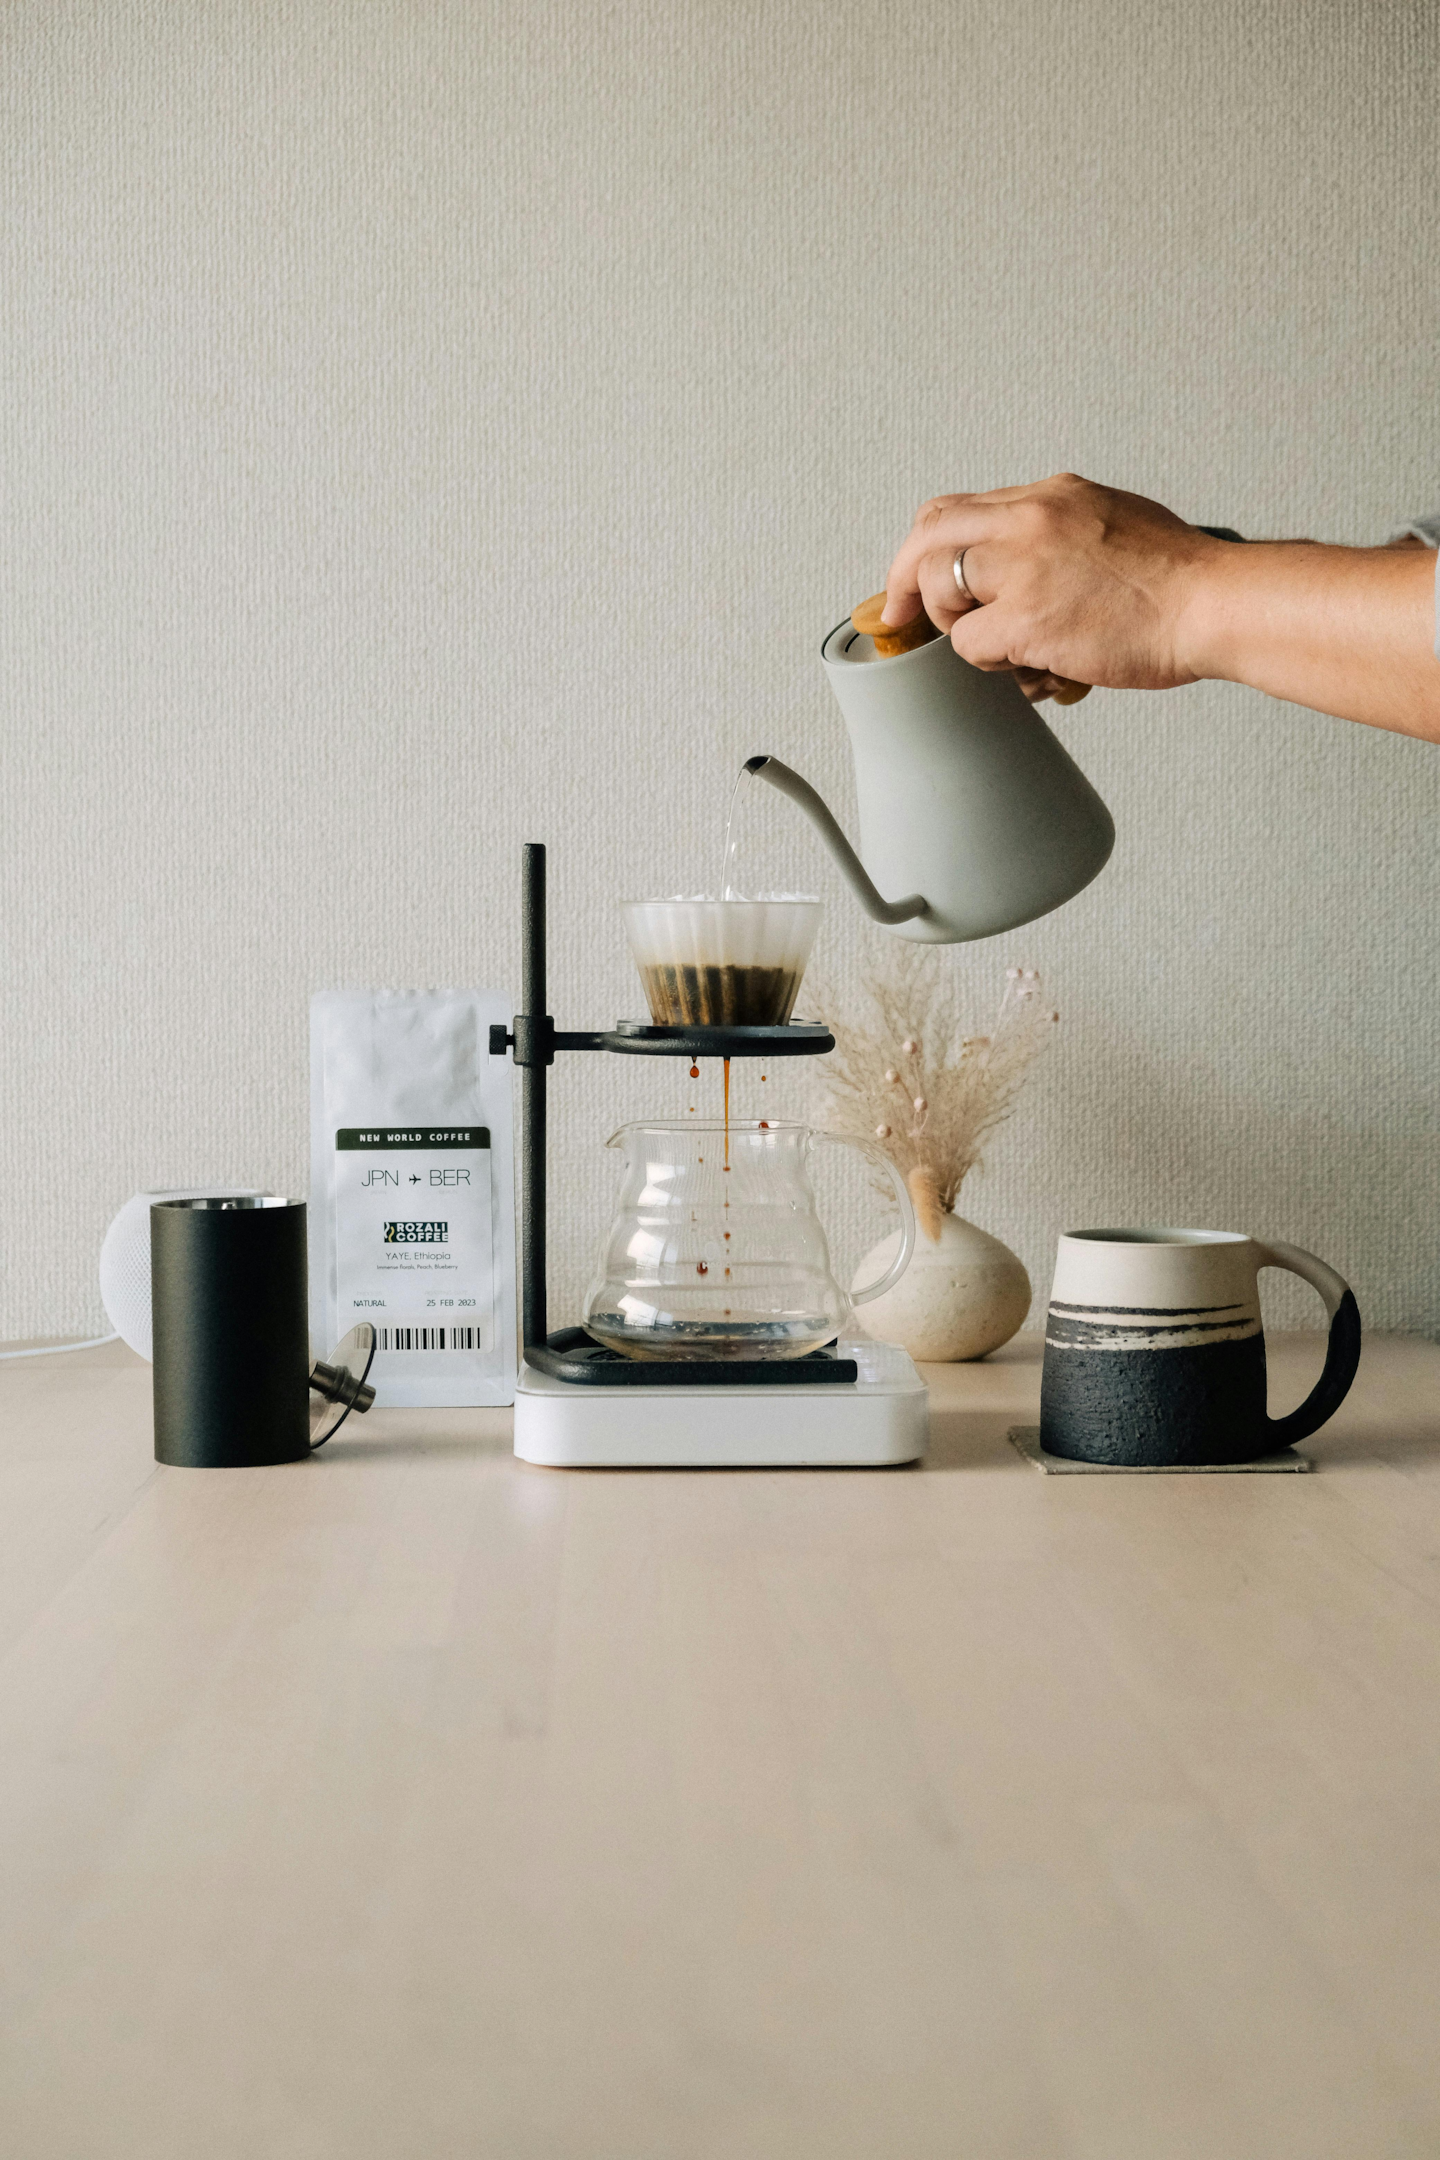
(906, 1080)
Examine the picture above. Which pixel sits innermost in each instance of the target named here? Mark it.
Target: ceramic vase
(963, 1294)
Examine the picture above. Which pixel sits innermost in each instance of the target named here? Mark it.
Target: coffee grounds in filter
(686, 995)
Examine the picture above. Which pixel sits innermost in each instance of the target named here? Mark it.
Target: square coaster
(1025, 1439)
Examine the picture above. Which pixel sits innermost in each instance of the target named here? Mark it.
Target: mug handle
(901, 1261)
(1342, 1352)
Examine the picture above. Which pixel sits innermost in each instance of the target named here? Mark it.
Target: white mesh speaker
(125, 1259)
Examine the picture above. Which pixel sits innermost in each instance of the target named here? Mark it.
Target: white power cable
(53, 1349)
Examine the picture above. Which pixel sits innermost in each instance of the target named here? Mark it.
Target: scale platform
(879, 1419)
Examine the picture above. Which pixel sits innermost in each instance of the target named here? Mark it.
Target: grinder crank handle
(851, 868)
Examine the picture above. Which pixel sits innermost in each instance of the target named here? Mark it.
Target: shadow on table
(973, 1440)
(425, 1433)
(1413, 1444)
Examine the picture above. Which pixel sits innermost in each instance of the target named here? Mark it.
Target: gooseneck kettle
(973, 817)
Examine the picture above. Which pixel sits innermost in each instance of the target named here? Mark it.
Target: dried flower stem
(908, 1082)
(925, 1195)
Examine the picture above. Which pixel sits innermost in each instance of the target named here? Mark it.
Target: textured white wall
(430, 426)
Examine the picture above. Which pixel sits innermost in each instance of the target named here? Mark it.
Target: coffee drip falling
(692, 992)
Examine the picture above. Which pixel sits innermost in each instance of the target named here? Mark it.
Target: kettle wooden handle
(911, 635)
(888, 642)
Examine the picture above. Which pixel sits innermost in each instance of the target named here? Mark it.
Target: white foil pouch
(412, 1206)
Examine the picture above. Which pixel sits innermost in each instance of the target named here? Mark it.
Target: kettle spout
(848, 862)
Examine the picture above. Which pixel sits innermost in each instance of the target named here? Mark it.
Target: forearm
(1348, 631)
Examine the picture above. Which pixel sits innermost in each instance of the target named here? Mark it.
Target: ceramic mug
(1154, 1353)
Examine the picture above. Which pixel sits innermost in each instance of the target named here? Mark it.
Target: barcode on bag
(429, 1338)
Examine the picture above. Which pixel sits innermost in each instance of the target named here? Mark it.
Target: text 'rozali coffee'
(682, 994)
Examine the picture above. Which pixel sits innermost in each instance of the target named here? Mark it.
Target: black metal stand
(570, 1354)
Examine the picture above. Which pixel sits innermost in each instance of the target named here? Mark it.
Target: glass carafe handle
(901, 1261)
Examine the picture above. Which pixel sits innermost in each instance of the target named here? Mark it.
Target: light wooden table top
(411, 1801)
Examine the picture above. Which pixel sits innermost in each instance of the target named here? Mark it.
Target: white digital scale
(879, 1419)
(581, 1406)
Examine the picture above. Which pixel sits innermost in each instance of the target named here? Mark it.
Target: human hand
(1037, 685)
(1065, 580)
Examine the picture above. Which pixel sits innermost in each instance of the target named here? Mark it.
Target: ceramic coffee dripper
(1154, 1353)
(721, 963)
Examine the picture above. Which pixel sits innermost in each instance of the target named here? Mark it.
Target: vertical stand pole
(532, 1054)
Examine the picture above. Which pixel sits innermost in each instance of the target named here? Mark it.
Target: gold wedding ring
(958, 566)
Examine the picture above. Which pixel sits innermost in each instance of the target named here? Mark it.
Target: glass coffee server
(716, 1249)
(663, 1373)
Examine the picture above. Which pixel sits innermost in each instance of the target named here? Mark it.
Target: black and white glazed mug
(1154, 1354)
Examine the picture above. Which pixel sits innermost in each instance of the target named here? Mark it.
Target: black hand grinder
(235, 1385)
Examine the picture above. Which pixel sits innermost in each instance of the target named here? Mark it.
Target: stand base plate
(881, 1419)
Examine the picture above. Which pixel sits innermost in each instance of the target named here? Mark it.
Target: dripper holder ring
(533, 1041)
